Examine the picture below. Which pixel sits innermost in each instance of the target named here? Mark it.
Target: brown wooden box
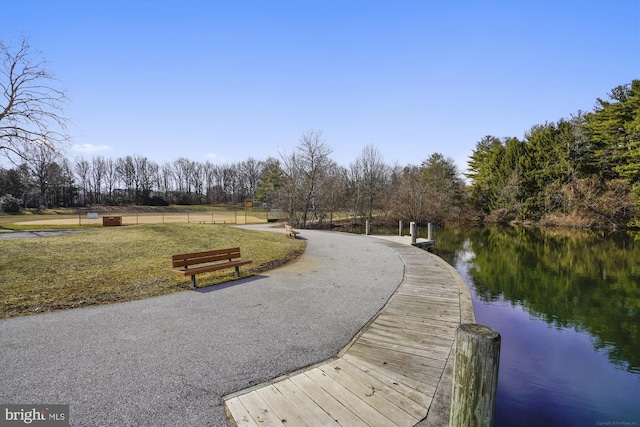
(111, 220)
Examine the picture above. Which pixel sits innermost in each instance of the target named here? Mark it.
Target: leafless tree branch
(31, 106)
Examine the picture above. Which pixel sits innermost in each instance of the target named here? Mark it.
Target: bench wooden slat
(211, 267)
(182, 260)
(201, 262)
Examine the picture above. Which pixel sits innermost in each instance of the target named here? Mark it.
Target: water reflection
(587, 281)
(567, 304)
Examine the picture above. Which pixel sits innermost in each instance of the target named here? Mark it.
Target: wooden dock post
(475, 376)
(400, 228)
(367, 227)
(413, 231)
(430, 231)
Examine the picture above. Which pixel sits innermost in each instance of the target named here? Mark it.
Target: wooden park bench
(291, 231)
(203, 262)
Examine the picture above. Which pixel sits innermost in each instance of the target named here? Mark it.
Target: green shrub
(9, 204)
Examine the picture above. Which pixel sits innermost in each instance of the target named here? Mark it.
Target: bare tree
(354, 177)
(232, 184)
(411, 195)
(111, 177)
(98, 172)
(166, 179)
(208, 170)
(218, 184)
(31, 110)
(181, 173)
(304, 170)
(335, 189)
(198, 179)
(43, 167)
(147, 172)
(127, 175)
(83, 171)
(369, 177)
(250, 171)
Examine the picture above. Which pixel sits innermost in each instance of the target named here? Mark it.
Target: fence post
(367, 227)
(413, 231)
(475, 376)
(400, 229)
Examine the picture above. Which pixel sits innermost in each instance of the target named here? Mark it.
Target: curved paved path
(168, 361)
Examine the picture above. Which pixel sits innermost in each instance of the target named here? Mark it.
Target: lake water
(567, 304)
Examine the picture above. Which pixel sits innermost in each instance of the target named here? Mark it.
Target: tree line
(584, 171)
(307, 184)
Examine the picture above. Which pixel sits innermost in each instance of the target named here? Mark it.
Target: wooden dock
(406, 240)
(395, 372)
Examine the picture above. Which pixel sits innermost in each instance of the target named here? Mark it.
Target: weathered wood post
(475, 376)
(412, 230)
(400, 229)
(430, 231)
(367, 227)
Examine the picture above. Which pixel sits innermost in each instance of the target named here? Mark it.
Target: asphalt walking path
(167, 361)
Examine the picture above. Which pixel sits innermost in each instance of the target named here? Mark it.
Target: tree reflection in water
(567, 304)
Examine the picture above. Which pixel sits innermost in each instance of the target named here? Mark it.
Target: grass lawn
(114, 264)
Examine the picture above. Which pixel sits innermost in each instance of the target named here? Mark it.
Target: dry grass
(107, 265)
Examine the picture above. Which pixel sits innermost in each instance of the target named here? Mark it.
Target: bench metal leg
(193, 280)
(237, 271)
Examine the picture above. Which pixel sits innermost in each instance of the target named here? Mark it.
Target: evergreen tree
(614, 131)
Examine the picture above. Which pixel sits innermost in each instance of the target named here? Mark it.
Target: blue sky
(227, 80)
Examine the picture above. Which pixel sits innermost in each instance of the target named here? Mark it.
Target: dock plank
(417, 391)
(261, 413)
(351, 401)
(369, 394)
(435, 350)
(239, 413)
(423, 336)
(417, 367)
(385, 386)
(287, 413)
(326, 402)
(315, 415)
